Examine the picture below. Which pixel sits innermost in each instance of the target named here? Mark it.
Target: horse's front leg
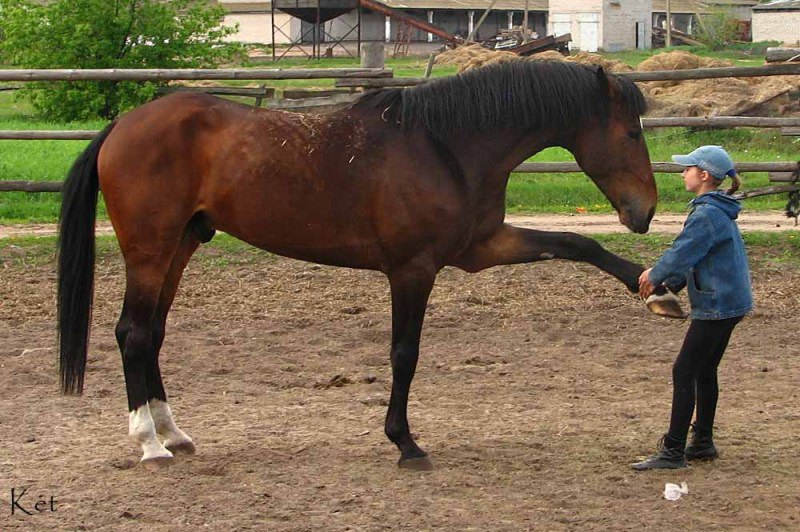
(410, 286)
(513, 245)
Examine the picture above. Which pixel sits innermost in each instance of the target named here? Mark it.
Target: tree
(718, 29)
(108, 34)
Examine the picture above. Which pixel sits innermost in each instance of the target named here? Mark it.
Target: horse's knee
(137, 344)
(395, 431)
(121, 331)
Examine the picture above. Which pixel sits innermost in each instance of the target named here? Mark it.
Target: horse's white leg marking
(143, 431)
(174, 438)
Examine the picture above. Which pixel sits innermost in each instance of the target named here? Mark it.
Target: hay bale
(608, 65)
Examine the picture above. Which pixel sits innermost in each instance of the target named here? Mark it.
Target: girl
(708, 256)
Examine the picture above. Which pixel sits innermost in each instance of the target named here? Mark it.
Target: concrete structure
(686, 12)
(255, 22)
(608, 25)
(458, 17)
(778, 20)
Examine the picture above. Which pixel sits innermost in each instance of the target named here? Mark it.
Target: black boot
(702, 445)
(670, 456)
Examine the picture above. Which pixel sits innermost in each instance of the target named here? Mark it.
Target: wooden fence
(380, 78)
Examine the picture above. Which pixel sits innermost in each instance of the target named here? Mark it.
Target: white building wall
(609, 24)
(777, 26)
(372, 26)
(619, 25)
(257, 27)
(566, 16)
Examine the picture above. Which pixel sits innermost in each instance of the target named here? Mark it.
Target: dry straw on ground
(724, 96)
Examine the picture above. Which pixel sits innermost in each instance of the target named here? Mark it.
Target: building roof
(503, 5)
(779, 5)
(243, 6)
(659, 6)
(251, 6)
(697, 6)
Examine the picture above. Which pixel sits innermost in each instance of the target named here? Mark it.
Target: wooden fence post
(372, 55)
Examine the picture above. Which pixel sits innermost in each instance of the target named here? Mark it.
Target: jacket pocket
(704, 301)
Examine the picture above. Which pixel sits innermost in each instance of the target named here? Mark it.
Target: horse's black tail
(76, 264)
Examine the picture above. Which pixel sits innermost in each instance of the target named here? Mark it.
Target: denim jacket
(709, 257)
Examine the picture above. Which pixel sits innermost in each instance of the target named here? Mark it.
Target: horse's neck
(497, 153)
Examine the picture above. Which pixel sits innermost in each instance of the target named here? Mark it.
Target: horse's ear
(602, 81)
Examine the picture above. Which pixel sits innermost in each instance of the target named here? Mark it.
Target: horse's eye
(635, 135)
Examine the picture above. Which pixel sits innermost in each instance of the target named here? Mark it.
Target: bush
(719, 29)
(108, 34)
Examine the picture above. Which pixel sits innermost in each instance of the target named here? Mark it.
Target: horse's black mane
(520, 94)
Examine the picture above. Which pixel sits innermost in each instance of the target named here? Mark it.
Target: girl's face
(696, 180)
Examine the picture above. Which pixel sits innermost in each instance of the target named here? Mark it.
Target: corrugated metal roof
(504, 5)
(696, 6)
(779, 5)
(240, 6)
(677, 6)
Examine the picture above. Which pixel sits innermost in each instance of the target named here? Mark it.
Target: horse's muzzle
(635, 220)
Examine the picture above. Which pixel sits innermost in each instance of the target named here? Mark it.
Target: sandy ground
(531, 399)
(580, 223)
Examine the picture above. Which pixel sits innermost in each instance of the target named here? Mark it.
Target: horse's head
(612, 151)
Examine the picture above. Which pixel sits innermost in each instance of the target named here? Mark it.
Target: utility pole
(525, 24)
(668, 41)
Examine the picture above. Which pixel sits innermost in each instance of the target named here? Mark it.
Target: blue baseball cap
(712, 159)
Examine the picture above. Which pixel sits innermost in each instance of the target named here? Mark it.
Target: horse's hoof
(421, 463)
(666, 304)
(185, 447)
(156, 463)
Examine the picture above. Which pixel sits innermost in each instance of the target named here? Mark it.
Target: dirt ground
(537, 386)
(671, 223)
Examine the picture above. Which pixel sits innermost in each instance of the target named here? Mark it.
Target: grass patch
(773, 250)
(223, 250)
(764, 249)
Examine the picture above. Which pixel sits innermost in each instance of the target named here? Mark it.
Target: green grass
(747, 54)
(776, 251)
(770, 250)
(223, 250)
(50, 160)
(570, 192)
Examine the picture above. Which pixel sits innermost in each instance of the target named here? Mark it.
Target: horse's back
(282, 181)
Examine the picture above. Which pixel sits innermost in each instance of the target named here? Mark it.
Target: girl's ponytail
(735, 184)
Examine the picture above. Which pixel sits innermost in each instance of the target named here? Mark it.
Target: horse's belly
(312, 239)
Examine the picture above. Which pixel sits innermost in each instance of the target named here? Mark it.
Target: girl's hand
(646, 288)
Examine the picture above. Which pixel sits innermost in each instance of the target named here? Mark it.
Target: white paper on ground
(673, 492)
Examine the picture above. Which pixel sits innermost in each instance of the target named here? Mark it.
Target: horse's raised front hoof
(666, 304)
(420, 463)
(156, 463)
(184, 447)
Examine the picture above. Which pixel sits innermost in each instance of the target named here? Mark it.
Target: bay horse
(404, 181)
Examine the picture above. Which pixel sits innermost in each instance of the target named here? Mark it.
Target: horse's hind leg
(146, 270)
(175, 440)
(140, 341)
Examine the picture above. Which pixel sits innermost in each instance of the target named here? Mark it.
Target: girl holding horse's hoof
(709, 256)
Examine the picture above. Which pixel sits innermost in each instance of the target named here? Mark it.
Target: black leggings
(695, 371)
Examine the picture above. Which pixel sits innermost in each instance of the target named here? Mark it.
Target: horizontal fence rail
(656, 75)
(719, 72)
(162, 74)
(789, 169)
(41, 134)
(568, 167)
(648, 123)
